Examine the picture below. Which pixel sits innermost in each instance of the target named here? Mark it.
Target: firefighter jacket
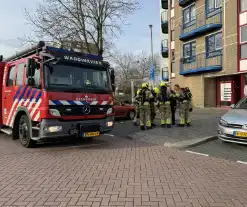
(145, 95)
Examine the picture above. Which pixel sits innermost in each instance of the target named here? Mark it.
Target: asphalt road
(216, 148)
(121, 131)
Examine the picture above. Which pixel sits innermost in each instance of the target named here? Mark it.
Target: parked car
(124, 110)
(233, 125)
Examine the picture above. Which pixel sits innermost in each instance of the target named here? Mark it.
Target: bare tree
(129, 66)
(85, 21)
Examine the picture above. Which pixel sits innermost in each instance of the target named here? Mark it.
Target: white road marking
(242, 162)
(197, 153)
(111, 135)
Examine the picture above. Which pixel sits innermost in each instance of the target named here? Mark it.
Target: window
(242, 104)
(214, 45)
(172, 29)
(213, 5)
(36, 78)
(243, 51)
(11, 76)
(173, 69)
(173, 55)
(20, 72)
(172, 23)
(189, 51)
(172, 35)
(243, 5)
(189, 15)
(243, 33)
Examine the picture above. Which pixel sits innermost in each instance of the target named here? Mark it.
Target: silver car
(233, 125)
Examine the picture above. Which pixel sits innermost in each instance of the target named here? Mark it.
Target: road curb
(190, 143)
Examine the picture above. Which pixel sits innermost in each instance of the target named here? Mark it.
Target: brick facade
(203, 85)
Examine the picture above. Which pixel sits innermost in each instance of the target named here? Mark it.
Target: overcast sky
(136, 36)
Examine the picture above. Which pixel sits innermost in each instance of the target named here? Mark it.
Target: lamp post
(151, 42)
(152, 52)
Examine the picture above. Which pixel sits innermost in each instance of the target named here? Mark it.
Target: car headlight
(109, 111)
(54, 112)
(223, 123)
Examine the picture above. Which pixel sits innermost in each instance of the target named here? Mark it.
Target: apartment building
(164, 73)
(208, 49)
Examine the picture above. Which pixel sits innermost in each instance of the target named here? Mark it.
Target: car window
(242, 104)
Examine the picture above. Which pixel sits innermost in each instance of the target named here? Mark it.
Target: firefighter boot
(163, 126)
(168, 125)
(153, 124)
(142, 127)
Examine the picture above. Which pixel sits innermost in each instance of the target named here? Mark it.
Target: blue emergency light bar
(73, 53)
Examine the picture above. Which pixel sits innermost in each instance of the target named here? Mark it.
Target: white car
(233, 125)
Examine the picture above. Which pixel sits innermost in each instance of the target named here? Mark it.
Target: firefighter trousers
(165, 113)
(184, 114)
(145, 113)
(153, 114)
(136, 114)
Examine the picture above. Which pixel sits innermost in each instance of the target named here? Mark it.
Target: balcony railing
(184, 2)
(164, 22)
(164, 74)
(201, 63)
(164, 4)
(164, 48)
(200, 25)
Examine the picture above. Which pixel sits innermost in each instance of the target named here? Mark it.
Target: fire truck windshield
(73, 78)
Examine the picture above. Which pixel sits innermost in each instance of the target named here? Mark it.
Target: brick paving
(204, 124)
(118, 172)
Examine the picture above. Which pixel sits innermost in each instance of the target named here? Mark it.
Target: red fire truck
(51, 93)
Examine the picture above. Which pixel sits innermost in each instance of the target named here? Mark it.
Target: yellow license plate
(241, 134)
(91, 134)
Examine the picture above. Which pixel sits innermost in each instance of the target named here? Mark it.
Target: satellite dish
(245, 90)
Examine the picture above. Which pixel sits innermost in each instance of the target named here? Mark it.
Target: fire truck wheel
(24, 132)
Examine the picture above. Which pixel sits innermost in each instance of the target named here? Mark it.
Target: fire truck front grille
(78, 110)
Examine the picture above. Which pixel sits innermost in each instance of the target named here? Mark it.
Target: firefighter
(173, 101)
(137, 103)
(144, 97)
(184, 97)
(155, 92)
(165, 107)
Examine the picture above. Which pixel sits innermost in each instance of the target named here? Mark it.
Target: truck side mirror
(112, 76)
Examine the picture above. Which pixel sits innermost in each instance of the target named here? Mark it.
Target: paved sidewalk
(203, 128)
(120, 173)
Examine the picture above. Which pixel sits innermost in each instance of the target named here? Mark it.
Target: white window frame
(172, 3)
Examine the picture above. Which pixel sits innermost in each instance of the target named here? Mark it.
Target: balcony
(164, 48)
(164, 22)
(201, 24)
(201, 63)
(164, 76)
(164, 4)
(184, 3)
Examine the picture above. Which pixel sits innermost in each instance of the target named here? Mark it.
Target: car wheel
(131, 115)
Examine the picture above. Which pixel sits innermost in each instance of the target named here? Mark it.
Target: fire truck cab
(51, 93)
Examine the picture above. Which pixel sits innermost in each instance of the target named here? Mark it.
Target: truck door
(8, 94)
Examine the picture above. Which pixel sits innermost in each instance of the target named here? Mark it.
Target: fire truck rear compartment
(55, 129)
